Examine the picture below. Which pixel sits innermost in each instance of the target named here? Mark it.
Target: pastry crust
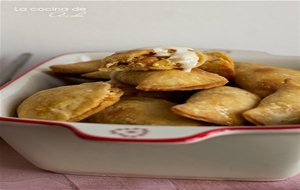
(171, 80)
(69, 103)
(77, 68)
(262, 80)
(279, 108)
(141, 111)
(173, 96)
(127, 56)
(97, 75)
(143, 60)
(219, 63)
(222, 105)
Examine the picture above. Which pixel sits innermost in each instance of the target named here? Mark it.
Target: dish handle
(146, 133)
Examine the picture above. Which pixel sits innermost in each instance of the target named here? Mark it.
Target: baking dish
(233, 153)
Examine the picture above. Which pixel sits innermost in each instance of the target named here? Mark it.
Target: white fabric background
(107, 26)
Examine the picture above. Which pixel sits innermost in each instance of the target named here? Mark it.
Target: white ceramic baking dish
(235, 153)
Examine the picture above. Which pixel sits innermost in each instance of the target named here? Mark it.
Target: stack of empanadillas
(171, 86)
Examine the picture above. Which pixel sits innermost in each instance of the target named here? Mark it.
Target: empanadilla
(69, 103)
(97, 75)
(141, 111)
(222, 105)
(279, 108)
(154, 59)
(171, 80)
(262, 79)
(173, 96)
(220, 63)
(78, 68)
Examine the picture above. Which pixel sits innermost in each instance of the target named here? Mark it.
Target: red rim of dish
(191, 138)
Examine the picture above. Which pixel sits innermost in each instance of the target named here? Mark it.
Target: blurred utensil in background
(13, 67)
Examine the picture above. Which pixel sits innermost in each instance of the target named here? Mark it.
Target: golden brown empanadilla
(69, 103)
(154, 59)
(97, 75)
(141, 111)
(171, 80)
(262, 79)
(78, 68)
(222, 105)
(173, 96)
(279, 108)
(220, 63)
